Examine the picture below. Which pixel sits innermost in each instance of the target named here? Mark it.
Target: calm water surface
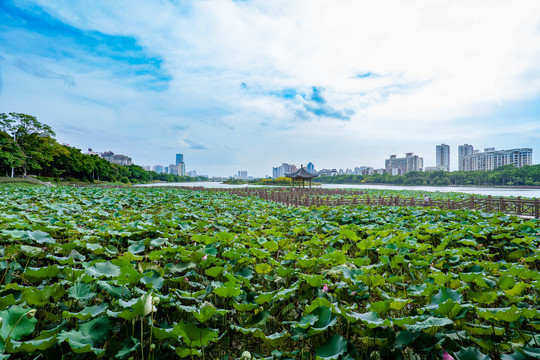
(530, 193)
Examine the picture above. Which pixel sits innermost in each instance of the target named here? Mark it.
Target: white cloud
(432, 63)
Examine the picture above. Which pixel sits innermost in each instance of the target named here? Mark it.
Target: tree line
(27, 146)
(507, 175)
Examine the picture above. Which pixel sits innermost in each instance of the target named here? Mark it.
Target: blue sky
(247, 85)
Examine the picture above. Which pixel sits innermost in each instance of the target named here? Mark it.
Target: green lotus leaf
(370, 319)
(486, 297)
(194, 336)
(185, 352)
(470, 353)
(318, 302)
(38, 274)
(271, 246)
(44, 341)
(88, 336)
(306, 321)
(443, 295)
(478, 329)
(264, 297)
(429, 325)
(163, 333)
(153, 279)
(182, 267)
(332, 349)
(206, 311)
(517, 289)
(214, 271)
(380, 307)
(129, 345)
(40, 237)
(510, 314)
(263, 268)
(468, 277)
(229, 289)
(42, 297)
(30, 251)
(273, 340)
(325, 320)
(506, 282)
(17, 322)
(258, 320)
(137, 247)
(313, 280)
(7, 300)
(87, 313)
(81, 291)
(105, 268)
(243, 307)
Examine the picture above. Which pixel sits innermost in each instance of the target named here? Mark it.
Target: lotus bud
(155, 300)
(325, 288)
(447, 356)
(246, 355)
(152, 347)
(205, 257)
(31, 313)
(353, 293)
(186, 279)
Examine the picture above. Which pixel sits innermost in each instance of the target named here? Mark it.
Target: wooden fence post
(471, 203)
(519, 206)
(536, 210)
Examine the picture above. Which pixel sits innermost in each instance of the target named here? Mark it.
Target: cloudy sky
(247, 85)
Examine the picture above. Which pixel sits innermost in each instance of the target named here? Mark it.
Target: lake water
(530, 193)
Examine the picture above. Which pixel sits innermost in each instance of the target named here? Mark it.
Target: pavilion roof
(301, 174)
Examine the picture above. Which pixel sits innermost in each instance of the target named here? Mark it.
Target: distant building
(463, 151)
(242, 175)
(173, 169)
(363, 170)
(191, 173)
(116, 158)
(147, 168)
(159, 169)
(327, 172)
(92, 152)
(442, 155)
(401, 166)
(491, 159)
(181, 171)
(310, 168)
(280, 171)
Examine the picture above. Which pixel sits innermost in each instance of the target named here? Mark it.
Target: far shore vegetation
(28, 147)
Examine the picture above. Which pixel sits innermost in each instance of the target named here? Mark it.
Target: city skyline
(250, 84)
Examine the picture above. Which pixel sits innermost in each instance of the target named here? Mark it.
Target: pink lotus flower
(353, 293)
(186, 279)
(205, 257)
(447, 356)
(325, 288)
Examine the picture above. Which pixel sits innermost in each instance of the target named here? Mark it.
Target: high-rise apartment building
(280, 171)
(442, 155)
(491, 159)
(116, 158)
(242, 174)
(464, 150)
(311, 168)
(181, 167)
(400, 166)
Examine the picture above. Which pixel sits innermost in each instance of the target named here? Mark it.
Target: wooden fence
(338, 197)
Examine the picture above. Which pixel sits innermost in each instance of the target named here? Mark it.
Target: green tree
(30, 137)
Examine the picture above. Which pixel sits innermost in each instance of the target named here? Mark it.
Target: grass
(15, 182)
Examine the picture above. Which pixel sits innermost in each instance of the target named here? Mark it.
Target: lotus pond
(165, 273)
